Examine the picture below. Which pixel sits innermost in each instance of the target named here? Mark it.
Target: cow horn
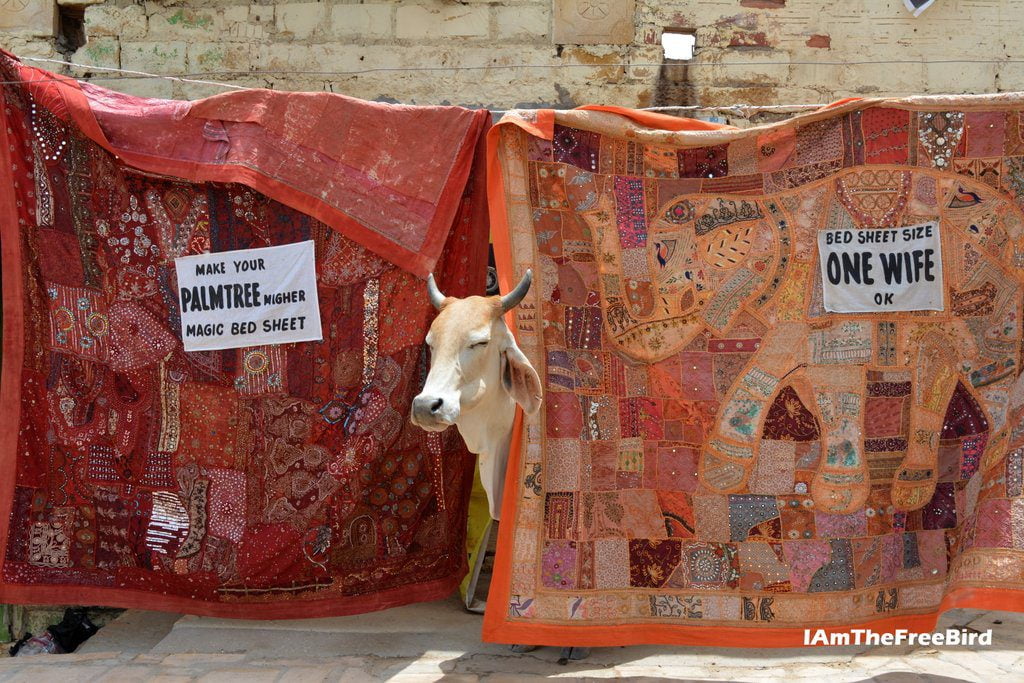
(436, 297)
(512, 299)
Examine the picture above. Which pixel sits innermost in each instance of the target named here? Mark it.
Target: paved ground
(438, 641)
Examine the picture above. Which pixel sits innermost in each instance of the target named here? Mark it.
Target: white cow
(477, 375)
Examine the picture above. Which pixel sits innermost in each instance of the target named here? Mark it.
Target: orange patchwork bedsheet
(781, 372)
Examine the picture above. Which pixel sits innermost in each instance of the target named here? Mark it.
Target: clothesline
(129, 74)
(484, 67)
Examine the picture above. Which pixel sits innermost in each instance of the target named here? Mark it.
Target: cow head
(476, 369)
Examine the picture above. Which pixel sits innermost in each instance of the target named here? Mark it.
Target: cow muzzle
(434, 413)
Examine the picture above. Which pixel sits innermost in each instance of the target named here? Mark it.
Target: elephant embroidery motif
(857, 399)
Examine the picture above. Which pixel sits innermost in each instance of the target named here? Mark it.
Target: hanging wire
(485, 67)
(738, 109)
(129, 74)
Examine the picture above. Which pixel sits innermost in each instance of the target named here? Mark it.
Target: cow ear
(520, 379)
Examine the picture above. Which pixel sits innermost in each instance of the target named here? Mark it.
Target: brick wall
(757, 49)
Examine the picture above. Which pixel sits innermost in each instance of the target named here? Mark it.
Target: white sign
(248, 297)
(878, 270)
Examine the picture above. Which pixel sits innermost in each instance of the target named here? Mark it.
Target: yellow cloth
(478, 527)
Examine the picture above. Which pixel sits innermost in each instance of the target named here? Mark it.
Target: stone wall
(751, 51)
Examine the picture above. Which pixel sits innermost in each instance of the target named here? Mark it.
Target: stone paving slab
(439, 641)
(134, 631)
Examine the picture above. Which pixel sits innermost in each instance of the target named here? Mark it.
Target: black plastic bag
(73, 630)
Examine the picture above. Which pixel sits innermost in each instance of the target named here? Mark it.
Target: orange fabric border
(498, 628)
(69, 93)
(653, 119)
(495, 626)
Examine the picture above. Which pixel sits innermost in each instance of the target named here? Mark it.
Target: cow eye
(479, 344)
